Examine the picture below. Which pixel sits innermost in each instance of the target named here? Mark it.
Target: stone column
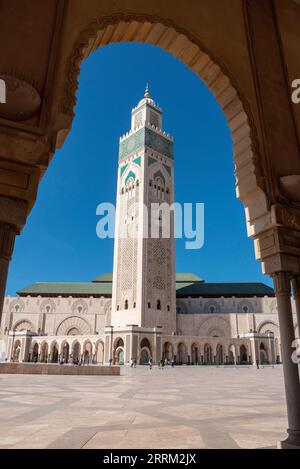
(290, 370)
(7, 240)
(296, 289)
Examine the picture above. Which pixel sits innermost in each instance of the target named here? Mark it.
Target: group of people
(166, 363)
(161, 364)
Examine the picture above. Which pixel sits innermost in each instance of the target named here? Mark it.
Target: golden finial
(147, 94)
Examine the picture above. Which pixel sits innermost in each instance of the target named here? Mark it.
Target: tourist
(150, 363)
(110, 361)
(131, 363)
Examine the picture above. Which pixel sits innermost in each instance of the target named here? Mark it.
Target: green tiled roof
(223, 289)
(103, 278)
(187, 284)
(68, 289)
(188, 278)
(185, 278)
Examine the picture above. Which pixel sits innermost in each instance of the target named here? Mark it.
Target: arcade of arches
(264, 123)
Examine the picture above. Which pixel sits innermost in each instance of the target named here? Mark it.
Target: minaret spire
(147, 94)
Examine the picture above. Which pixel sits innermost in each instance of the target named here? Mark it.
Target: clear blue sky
(59, 242)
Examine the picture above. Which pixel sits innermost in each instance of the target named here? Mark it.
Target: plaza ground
(185, 407)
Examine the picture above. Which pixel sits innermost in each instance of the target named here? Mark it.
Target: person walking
(150, 363)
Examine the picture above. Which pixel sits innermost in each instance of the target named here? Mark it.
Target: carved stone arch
(24, 325)
(47, 303)
(74, 322)
(181, 307)
(107, 307)
(268, 326)
(214, 326)
(17, 302)
(212, 304)
(243, 304)
(162, 172)
(251, 186)
(79, 306)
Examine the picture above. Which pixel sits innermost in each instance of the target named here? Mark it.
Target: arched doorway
(100, 352)
(243, 355)
(168, 351)
(145, 356)
(76, 352)
(54, 354)
(16, 351)
(65, 351)
(219, 355)
(181, 354)
(208, 355)
(87, 353)
(44, 352)
(195, 354)
(35, 353)
(231, 355)
(119, 356)
(263, 355)
(145, 353)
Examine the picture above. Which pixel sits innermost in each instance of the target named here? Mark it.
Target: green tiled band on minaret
(145, 137)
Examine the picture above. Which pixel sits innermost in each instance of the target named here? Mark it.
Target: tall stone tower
(144, 291)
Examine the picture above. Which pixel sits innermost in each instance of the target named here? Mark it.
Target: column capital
(7, 240)
(282, 283)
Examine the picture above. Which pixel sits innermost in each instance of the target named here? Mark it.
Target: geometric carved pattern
(268, 326)
(127, 259)
(47, 306)
(79, 306)
(17, 306)
(214, 326)
(159, 252)
(74, 322)
(159, 283)
(212, 307)
(245, 306)
(24, 326)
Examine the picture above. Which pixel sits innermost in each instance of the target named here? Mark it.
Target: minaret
(144, 268)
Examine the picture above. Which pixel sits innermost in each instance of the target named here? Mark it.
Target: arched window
(134, 304)
(168, 307)
(118, 307)
(149, 304)
(158, 305)
(126, 304)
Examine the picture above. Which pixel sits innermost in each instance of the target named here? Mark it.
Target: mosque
(144, 309)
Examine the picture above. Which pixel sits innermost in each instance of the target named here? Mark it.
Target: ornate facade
(144, 310)
(215, 323)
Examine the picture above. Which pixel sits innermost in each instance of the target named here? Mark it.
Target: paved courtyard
(185, 407)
